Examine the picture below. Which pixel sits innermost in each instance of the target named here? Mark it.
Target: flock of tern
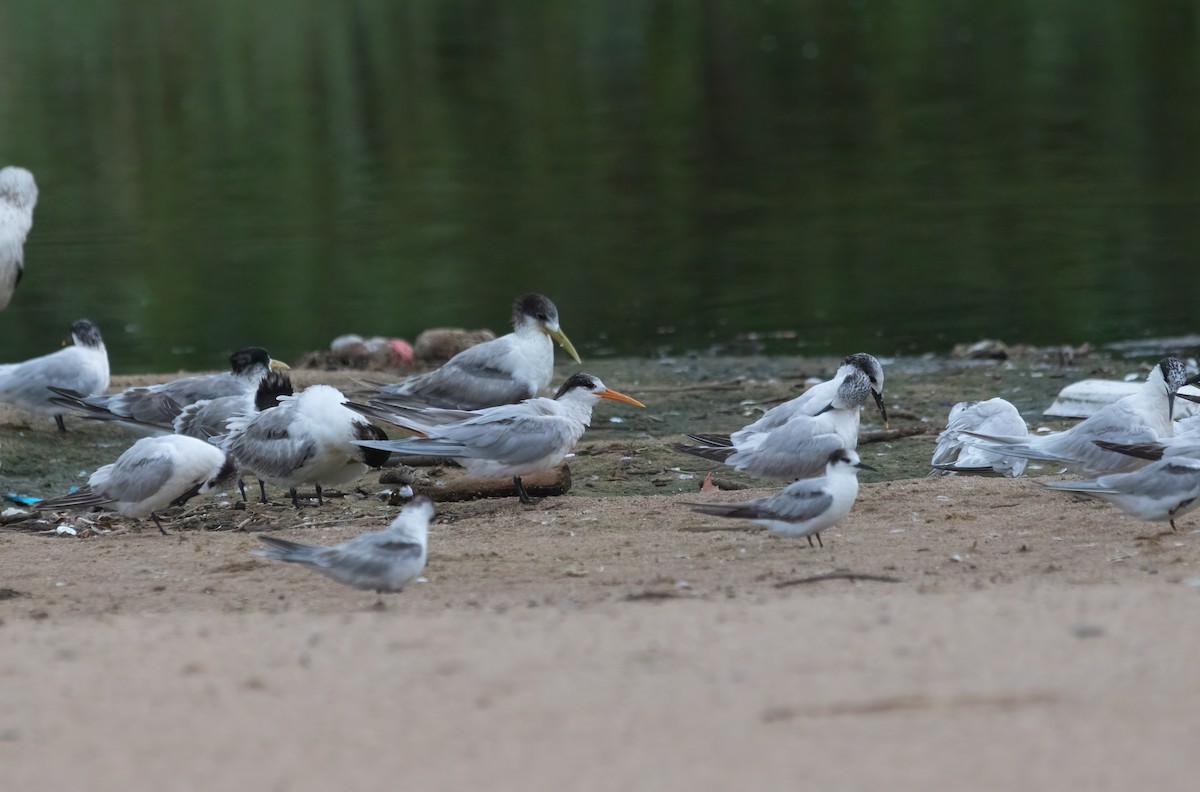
(484, 409)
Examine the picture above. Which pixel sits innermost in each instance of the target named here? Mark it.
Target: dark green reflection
(882, 176)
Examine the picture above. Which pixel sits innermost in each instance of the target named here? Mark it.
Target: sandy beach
(969, 633)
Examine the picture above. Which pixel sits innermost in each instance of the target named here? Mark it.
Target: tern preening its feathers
(805, 507)
(152, 474)
(798, 447)
(504, 370)
(81, 367)
(18, 197)
(306, 438)
(995, 416)
(507, 440)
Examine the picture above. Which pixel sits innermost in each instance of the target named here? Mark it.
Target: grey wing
(148, 405)
(190, 390)
(513, 439)
(363, 563)
(1078, 449)
(29, 382)
(138, 477)
(791, 451)
(206, 419)
(267, 445)
(474, 378)
(1165, 480)
(799, 502)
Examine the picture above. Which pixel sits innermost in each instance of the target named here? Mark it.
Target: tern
(504, 370)
(154, 408)
(18, 197)
(82, 367)
(507, 440)
(992, 417)
(1160, 492)
(304, 439)
(386, 560)
(1141, 417)
(811, 402)
(799, 447)
(805, 507)
(153, 473)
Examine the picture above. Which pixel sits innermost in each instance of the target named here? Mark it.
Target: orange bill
(609, 393)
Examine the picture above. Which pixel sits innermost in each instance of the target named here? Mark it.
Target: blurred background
(832, 175)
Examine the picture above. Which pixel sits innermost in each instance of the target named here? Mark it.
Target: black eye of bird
(541, 317)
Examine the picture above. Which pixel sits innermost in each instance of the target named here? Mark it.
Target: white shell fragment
(1082, 399)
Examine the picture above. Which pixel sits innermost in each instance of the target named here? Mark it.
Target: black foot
(295, 497)
(523, 495)
(262, 491)
(158, 522)
(809, 538)
(819, 542)
(320, 500)
(242, 488)
(62, 427)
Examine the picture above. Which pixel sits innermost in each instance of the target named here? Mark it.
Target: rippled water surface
(893, 177)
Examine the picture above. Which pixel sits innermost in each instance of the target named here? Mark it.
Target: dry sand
(1025, 641)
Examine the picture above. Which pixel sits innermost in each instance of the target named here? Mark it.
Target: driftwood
(839, 574)
(461, 488)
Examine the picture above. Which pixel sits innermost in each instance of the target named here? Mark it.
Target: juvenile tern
(18, 196)
(992, 417)
(811, 402)
(304, 439)
(504, 370)
(1141, 417)
(805, 507)
(800, 446)
(386, 560)
(153, 473)
(82, 367)
(1160, 492)
(507, 440)
(155, 407)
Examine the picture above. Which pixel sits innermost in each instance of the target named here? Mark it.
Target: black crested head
(841, 456)
(85, 333)
(1174, 373)
(249, 358)
(867, 364)
(536, 307)
(578, 381)
(226, 473)
(371, 457)
(270, 388)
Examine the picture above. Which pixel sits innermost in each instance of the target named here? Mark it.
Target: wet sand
(978, 633)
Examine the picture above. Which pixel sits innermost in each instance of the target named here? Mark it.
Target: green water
(887, 176)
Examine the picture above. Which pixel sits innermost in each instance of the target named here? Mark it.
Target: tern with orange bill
(507, 440)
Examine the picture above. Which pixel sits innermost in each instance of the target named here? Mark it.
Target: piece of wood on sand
(462, 488)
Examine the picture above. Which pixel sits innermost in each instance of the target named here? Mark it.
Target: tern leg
(809, 537)
(158, 522)
(242, 488)
(522, 494)
(262, 491)
(819, 542)
(62, 427)
(295, 497)
(1173, 528)
(320, 500)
